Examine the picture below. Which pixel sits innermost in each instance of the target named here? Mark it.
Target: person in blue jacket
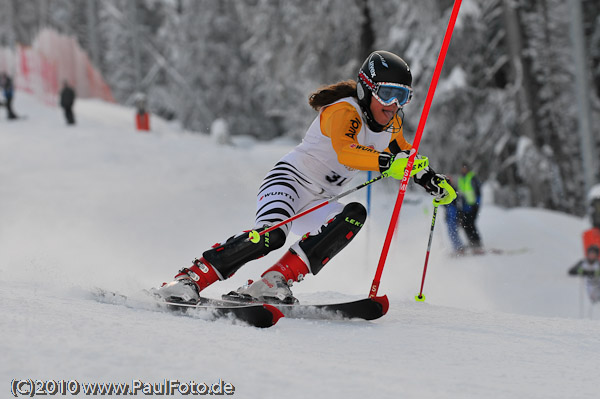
(452, 221)
(470, 191)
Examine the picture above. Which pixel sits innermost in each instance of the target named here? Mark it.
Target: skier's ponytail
(330, 94)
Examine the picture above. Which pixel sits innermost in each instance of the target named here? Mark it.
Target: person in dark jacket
(67, 99)
(8, 89)
(589, 268)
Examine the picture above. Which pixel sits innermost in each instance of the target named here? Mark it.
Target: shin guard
(227, 258)
(318, 249)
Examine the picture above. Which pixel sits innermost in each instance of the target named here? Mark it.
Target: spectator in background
(453, 223)
(67, 99)
(589, 266)
(470, 193)
(6, 84)
(142, 118)
(590, 269)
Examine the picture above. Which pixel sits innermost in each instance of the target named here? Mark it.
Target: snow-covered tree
(505, 102)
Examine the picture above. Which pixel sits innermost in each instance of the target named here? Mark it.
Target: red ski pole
(254, 235)
(417, 141)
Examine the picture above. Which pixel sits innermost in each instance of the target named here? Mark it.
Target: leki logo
(353, 222)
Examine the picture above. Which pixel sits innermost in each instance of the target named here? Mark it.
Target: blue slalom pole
(369, 173)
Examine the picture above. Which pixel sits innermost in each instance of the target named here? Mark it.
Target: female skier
(357, 128)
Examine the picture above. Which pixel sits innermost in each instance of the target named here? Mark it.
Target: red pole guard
(415, 148)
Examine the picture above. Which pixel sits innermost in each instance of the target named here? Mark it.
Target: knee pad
(319, 248)
(228, 257)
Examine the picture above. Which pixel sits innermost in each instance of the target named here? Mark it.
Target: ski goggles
(390, 93)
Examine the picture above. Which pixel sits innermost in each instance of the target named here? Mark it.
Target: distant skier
(67, 100)
(589, 267)
(8, 90)
(358, 128)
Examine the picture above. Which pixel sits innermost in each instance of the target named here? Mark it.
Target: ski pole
(417, 141)
(254, 235)
(421, 297)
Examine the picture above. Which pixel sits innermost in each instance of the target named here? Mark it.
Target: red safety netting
(52, 58)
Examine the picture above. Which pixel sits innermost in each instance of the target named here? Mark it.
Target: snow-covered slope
(101, 205)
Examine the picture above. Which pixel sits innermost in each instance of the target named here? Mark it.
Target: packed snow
(102, 205)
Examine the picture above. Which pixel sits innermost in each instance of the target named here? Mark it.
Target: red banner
(52, 59)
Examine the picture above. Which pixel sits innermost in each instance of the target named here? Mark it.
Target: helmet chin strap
(373, 125)
(400, 111)
(395, 129)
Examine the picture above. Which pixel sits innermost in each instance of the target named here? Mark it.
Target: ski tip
(275, 312)
(384, 302)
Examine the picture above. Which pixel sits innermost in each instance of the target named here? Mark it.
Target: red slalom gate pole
(413, 153)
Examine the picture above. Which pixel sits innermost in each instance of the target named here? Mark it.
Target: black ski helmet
(379, 67)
